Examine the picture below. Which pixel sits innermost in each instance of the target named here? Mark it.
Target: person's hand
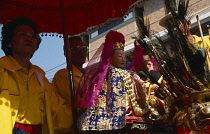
(154, 87)
(185, 28)
(191, 39)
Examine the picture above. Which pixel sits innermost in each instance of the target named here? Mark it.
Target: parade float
(185, 70)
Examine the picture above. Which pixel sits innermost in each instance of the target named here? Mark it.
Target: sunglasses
(78, 48)
(24, 34)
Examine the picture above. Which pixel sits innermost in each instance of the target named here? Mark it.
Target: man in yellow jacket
(61, 79)
(28, 103)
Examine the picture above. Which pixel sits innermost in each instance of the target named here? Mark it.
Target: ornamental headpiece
(115, 39)
(119, 45)
(146, 58)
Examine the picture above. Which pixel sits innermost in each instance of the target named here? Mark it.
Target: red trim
(181, 130)
(80, 15)
(32, 129)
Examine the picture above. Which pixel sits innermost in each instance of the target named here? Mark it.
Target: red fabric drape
(79, 14)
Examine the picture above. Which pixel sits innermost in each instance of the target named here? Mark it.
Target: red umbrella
(67, 17)
(78, 14)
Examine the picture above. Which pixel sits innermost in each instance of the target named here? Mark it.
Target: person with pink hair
(106, 90)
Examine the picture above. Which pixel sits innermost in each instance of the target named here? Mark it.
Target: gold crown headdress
(146, 58)
(119, 45)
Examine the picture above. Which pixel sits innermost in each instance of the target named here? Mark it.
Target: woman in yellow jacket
(28, 104)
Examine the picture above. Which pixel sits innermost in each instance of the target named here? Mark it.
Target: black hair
(74, 38)
(9, 29)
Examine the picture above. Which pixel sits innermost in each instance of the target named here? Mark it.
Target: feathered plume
(184, 71)
(193, 58)
(183, 10)
(143, 25)
(171, 5)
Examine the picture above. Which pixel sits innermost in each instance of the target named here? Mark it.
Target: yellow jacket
(54, 110)
(61, 82)
(206, 39)
(61, 86)
(198, 40)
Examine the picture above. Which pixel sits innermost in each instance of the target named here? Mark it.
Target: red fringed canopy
(67, 17)
(79, 15)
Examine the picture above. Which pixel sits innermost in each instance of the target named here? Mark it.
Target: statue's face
(118, 58)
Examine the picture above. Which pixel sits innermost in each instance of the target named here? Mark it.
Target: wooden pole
(204, 46)
(201, 32)
(208, 30)
(69, 66)
(208, 54)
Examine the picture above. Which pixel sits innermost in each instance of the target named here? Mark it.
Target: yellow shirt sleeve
(61, 86)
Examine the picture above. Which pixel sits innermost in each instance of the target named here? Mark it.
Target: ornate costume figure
(158, 102)
(184, 71)
(193, 108)
(139, 123)
(196, 60)
(106, 90)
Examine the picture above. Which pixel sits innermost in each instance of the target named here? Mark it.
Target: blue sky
(48, 56)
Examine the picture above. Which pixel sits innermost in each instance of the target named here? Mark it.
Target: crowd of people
(109, 98)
